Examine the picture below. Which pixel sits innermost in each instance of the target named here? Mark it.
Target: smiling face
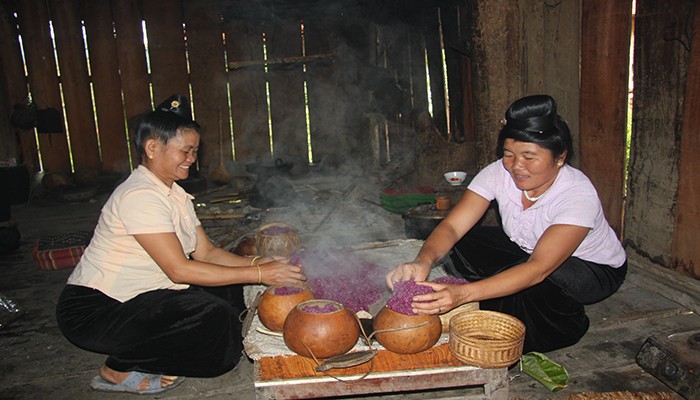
(532, 167)
(171, 161)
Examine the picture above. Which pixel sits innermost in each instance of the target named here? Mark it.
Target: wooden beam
(281, 60)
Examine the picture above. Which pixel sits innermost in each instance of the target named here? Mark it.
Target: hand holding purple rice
(408, 271)
(443, 298)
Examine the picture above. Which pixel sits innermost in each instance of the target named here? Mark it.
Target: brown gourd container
(321, 335)
(274, 307)
(415, 333)
(277, 239)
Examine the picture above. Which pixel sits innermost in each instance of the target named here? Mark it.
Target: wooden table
(294, 377)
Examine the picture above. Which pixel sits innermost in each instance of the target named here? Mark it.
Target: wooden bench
(294, 377)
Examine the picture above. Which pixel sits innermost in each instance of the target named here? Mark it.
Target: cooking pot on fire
(420, 221)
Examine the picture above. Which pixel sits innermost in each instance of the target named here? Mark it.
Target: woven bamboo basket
(277, 239)
(486, 339)
(445, 318)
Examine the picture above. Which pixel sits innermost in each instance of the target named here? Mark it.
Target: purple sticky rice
(342, 276)
(404, 292)
(287, 290)
(324, 309)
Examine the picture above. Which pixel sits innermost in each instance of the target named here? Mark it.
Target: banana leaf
(547, 372)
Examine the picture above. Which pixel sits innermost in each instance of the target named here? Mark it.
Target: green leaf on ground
(544, 370)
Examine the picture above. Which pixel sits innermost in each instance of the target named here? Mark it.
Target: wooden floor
(38, 363)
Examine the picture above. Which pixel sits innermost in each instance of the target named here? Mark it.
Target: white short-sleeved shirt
(572, 200)
(114, 262)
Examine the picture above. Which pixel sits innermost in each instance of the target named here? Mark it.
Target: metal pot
(420, 221)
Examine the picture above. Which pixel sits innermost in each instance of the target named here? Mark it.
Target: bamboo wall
(343, 60)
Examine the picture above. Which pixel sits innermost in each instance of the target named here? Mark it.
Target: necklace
(535, 198)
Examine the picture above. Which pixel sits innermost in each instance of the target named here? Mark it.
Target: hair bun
(178, 105)
(536, 113)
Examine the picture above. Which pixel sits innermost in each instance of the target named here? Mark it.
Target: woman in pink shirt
(553, 252)
(151, 291)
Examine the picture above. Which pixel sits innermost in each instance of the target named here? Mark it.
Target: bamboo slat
(328, 101)
(132, 62)
(166, 49)
(75, 83)
(244, 41)
(104, 65)
(208, 77)
(33, 16)
(431, 33)
(287, 90)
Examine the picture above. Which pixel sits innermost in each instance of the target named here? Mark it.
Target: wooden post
(686, 252)
(498, 79)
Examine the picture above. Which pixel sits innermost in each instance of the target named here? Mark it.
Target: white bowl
(455, 178)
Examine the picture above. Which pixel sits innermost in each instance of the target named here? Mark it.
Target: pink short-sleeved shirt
(571, 200)
(114, 262)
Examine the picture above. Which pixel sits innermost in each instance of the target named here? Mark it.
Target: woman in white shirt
(553, 253)
(151, 291)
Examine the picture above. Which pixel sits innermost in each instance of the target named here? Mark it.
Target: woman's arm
(466, 213)
(556, 245)
(166, 251)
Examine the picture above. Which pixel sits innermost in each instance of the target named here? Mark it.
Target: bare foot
(116, 377)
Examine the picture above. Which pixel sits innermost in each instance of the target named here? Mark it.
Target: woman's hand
(278, 272)
(404, 272)
(445, 298)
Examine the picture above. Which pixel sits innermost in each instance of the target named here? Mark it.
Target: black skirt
(194, 332)
(553, 311)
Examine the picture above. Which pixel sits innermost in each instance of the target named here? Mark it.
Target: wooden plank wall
(212, 51)
(605, 41)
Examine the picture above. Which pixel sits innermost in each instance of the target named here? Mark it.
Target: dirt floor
(38, 363)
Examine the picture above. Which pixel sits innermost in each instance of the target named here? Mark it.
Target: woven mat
(623, 396)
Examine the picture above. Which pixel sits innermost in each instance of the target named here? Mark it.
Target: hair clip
(173, 106)
(504, 121)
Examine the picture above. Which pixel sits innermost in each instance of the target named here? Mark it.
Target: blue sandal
(132, 382)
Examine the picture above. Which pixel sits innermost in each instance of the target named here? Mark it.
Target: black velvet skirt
(194, 332)
(553, 311)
